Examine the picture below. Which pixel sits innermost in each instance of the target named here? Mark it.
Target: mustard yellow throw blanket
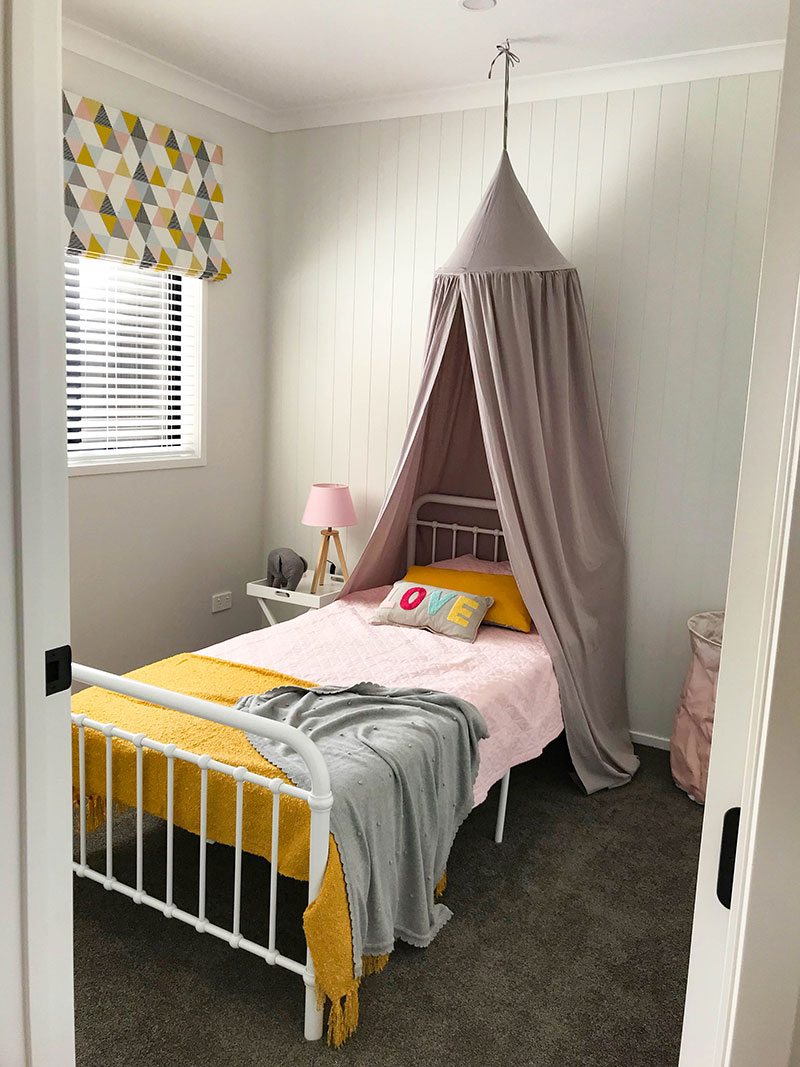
(327, 920)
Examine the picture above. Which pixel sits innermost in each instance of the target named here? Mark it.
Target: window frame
(78, 466)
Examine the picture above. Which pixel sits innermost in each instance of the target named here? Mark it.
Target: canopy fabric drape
(141, 193)
(507, 408)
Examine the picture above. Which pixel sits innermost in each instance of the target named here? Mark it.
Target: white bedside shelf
(302, 597)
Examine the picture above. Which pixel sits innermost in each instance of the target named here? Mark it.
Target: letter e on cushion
(461, 612)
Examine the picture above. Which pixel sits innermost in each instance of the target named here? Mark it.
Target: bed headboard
(452, 537)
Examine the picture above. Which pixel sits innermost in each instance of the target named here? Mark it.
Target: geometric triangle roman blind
(141, 193)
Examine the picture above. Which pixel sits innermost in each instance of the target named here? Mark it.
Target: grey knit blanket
(402, 764)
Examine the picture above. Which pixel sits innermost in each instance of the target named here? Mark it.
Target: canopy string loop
(511, 61)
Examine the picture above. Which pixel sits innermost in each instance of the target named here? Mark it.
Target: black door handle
(57, 670)
(727, 856)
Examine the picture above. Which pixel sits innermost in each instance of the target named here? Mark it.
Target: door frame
(34, 480)
(738, 999)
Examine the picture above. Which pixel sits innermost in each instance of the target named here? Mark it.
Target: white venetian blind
(133, 362)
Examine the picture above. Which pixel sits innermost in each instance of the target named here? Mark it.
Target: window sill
(128, 466)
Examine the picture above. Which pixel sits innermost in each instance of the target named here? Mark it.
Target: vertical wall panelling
(565, 173)
(382, 309)
(632, 293)
(402, 293)
(754, 176)
(346, 192)
(540, 157)
(586, 215)
(604, 299)
(427, 210)
(646, 559)
(492, 144)
(658, 195)
(321, 393)
(368, 157)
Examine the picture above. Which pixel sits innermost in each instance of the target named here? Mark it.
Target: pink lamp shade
(329, 504)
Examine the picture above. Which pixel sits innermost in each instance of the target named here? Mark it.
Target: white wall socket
(221, 601)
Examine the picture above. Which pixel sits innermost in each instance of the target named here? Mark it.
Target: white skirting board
(652, 740)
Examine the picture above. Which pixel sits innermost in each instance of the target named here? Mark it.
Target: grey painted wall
(149, 548)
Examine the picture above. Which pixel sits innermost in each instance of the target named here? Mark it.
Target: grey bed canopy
(507, 409)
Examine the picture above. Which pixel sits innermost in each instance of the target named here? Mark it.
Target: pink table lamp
(329, 506)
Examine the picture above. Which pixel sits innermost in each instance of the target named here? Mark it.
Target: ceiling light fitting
(477, 5)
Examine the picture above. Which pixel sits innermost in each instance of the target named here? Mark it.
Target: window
(133, 367)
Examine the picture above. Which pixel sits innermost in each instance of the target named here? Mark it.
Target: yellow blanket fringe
(95, 809)
(343, 1018)
(373, 964)
(326, 921)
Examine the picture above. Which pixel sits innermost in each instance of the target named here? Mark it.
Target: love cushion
(449, 612)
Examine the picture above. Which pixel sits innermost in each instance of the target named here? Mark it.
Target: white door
(745, 960)
(36, 982)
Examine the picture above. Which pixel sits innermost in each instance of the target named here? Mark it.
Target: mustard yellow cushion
(508, 609)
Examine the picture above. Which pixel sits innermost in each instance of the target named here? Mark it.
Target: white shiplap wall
(659, 197)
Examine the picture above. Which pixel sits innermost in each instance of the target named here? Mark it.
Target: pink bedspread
(507, 675)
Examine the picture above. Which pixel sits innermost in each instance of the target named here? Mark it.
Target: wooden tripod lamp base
(329, 506)
(319, 574)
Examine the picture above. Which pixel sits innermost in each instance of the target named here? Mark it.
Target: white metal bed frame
(318, 797)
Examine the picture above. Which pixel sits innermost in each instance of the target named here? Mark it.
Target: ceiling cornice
(662, 70)
(113, 53)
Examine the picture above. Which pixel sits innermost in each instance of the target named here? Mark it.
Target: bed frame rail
(318, 798)
(451, 528)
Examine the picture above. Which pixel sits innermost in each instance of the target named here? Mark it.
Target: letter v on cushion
(438, 599)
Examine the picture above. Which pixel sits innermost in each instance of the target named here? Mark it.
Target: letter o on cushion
(413, 597)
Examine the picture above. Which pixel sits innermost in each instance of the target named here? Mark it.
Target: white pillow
(472, 563)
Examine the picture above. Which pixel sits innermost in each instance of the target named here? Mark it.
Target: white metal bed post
(414, 522)
(318, 798)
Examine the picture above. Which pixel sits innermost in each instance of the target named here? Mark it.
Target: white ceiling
(305, 54)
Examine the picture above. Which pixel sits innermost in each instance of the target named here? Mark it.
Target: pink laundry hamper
(690, 745)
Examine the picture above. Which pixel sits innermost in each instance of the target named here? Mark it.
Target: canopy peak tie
(511, 61)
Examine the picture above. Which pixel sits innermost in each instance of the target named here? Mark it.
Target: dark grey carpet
(568, 946)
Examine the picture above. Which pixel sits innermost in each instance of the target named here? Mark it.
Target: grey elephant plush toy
(285, 568)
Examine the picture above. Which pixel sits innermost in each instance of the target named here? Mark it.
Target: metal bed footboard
(318, 798)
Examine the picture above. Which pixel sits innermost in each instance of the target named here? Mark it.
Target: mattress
(507, 675)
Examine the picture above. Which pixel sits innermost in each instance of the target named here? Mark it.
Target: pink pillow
(472, 563)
